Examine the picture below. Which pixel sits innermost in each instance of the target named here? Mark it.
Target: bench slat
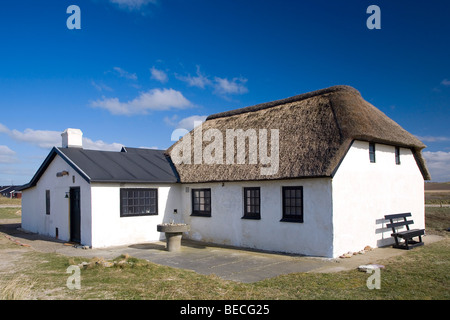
(399, 224)
(398, 215)
(410, 233)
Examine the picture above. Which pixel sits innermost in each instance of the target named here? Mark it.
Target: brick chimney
(72, 138)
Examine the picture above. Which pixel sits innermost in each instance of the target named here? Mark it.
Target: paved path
(226, 262)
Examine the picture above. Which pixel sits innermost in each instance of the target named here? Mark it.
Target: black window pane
(372, 152)
(252, 203)
(138, 202)
(293, 203)
(47, 201)
(201, 202)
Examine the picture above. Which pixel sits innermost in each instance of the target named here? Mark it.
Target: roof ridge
(275, 103)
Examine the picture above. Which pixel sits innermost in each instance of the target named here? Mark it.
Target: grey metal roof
(132, 165)
(129, 165)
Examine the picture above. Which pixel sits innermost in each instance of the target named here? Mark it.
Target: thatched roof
(315, 131)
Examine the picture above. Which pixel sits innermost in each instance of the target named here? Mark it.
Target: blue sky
(138, 69)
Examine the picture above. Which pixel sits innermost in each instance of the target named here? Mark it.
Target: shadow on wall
(173, 210)
(384, 232)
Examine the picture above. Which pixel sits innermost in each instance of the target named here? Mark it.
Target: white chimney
(72, 138)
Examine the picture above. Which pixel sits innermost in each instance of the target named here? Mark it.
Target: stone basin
(172, 228)
(173, 233)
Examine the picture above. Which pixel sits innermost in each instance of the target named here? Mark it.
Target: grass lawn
(10, 213)
(8, 201)
(422, 273)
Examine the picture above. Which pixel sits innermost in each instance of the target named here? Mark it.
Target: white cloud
(47, 139)
(171, 121)
(159, 75)
(132, 4)
(185, 125)
(199, 81)
(188, 123)
(3, 129)
(41, 138)
(101, 145)
(438, 164)
(223, 86)
(7, 155)
(433, 138)
(155, 99)
(445, 82)
(125, 74)
(101, 86)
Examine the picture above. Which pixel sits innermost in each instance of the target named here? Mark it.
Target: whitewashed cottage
(329, 166)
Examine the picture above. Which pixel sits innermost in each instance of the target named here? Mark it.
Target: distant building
(11, 192)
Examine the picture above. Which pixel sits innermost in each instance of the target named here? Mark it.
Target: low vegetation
(437, 193)
(8, 201)
(421, 273)
(10, 213)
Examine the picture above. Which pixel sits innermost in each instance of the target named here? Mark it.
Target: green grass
(437, 220)
(422, 273)
(9, 213)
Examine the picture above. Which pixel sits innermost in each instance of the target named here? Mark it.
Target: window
(372, 152)
(292, 204)
(138, 202)
(47, 201)
(397, 155)
(252, 203)
(201, 202)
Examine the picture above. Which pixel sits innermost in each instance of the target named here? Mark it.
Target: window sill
(138, 215)
(296, 220)
(251, 218)
(207, 215)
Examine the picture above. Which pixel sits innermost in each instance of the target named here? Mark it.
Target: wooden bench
(407, 235)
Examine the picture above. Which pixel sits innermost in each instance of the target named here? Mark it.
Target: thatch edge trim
(421, 163)
(260, 180)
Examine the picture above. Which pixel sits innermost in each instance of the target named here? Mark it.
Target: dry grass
(8, 201)
(19, 287)
(437, 197)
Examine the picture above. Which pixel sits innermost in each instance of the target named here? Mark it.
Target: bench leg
(396, 241)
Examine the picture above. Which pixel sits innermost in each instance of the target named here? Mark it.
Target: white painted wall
(110, 229)
(34, 217)
(363, 192)
(225, 226)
